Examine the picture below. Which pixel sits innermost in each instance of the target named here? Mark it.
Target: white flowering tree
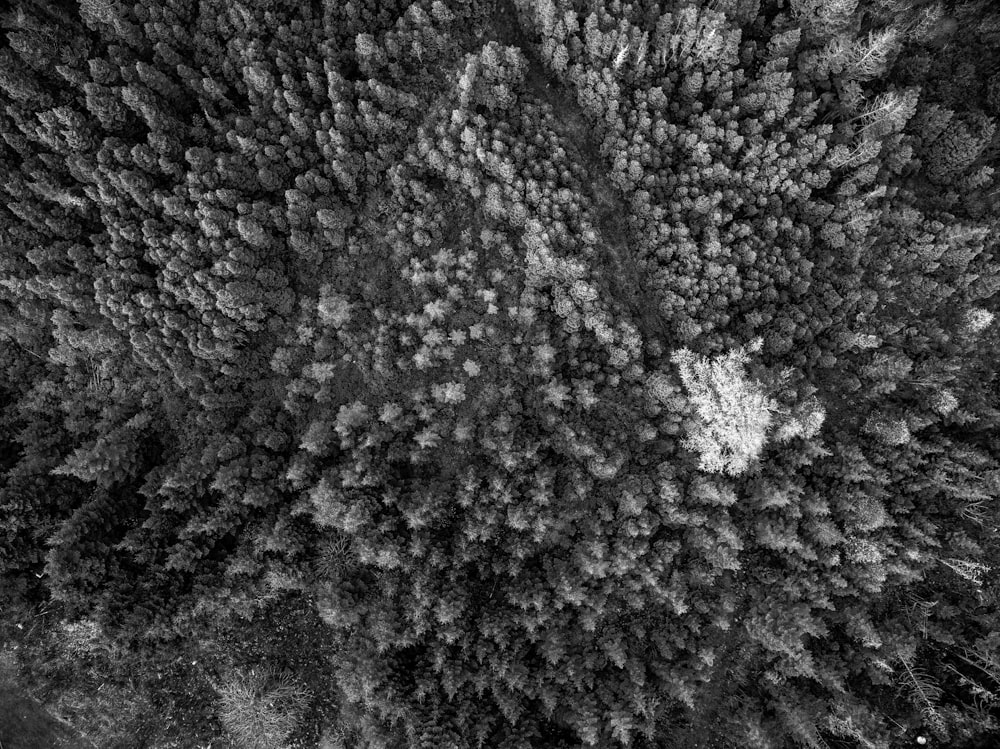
(732, 412)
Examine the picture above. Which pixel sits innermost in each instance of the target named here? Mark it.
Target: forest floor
(67, 685)
(77, 689)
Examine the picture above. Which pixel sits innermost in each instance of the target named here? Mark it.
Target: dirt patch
(25, 723)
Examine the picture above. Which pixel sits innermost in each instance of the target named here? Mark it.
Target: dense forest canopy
(608, 374)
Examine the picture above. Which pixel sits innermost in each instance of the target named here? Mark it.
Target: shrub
(261, 708)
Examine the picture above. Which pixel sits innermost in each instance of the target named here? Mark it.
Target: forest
(501, 374)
